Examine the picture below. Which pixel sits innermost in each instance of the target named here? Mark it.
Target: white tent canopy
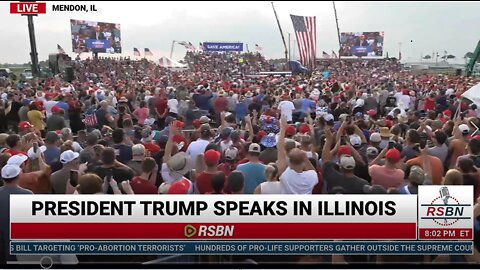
(473, 94)
(169, 63)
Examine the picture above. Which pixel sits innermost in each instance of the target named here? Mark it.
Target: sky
(416, 28)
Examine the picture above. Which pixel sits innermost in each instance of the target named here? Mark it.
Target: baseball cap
(290, 130)
(304, 128)
(393, 155)
(10, 171)
(204, 120)
(231, 153)
(375, 137)
(205, 129)
(328, 117)
(17, 160)
(24, 125)
(371, 113)
(212, 157)
(32, 155)
(55, 109)
(347, 162)
(68, 156)
(372, 151)
(343, 150)
(254, 148)
(464, 129)
(51, 137)
(355, 140)
(180, 187)
(447, 113)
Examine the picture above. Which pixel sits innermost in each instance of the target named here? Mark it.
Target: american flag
(60, 49)
(148, 52)
(258, 48)
(306, 34)
(136, 52)
(325, 55)
(90, 120)
(334, 55)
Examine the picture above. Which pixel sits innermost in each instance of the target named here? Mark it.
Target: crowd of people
(132, 127)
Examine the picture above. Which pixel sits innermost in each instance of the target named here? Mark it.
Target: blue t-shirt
(52, 155)
(241, 110)
(254, 175)
(307, 103)
(123, 153)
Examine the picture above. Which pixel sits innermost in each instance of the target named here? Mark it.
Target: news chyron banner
(244, 224)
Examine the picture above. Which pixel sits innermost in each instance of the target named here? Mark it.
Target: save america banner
(223, 47)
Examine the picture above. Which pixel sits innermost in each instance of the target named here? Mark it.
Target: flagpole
(281, 33)
(171, 50)
(289, 51)
(338, 30)
(294, 44)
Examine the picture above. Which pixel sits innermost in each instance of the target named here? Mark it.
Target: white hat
(347, 162)
(355, 140)
(464, 129)
(254, 148)
(17, 160)
(68, 156)
(359, 103)
(328, 117)
(10, 171)
(375, 137)
(33, 155)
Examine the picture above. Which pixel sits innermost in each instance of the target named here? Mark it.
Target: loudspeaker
(458, 72)
(69, 74)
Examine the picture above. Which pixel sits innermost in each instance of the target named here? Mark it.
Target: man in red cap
(206, 167)
(24, 128)
(178, 138)
(388, 175)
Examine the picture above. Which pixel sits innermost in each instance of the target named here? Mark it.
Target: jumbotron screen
(361, 44)
(89, 36)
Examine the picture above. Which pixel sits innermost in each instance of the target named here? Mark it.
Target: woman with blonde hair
(272, 185)
(453, 177)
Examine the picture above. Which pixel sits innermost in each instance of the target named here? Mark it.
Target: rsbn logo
(445, 210)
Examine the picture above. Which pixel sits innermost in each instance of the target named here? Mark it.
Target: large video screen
(361, 44)
(99, 37)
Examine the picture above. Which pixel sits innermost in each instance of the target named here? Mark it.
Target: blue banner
(97, 44)
(240, 247)
(361, 50)
(223, 47)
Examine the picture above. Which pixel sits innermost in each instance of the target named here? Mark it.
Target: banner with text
(223, 47)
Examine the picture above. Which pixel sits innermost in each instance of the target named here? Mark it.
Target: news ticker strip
(239, 248)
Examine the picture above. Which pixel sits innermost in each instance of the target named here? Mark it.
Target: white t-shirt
(298, 183)
(196, 148)
(286, 108)
(271, 188)
(225, 145)
(173, 105)
(48, 107)
(404, 102)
